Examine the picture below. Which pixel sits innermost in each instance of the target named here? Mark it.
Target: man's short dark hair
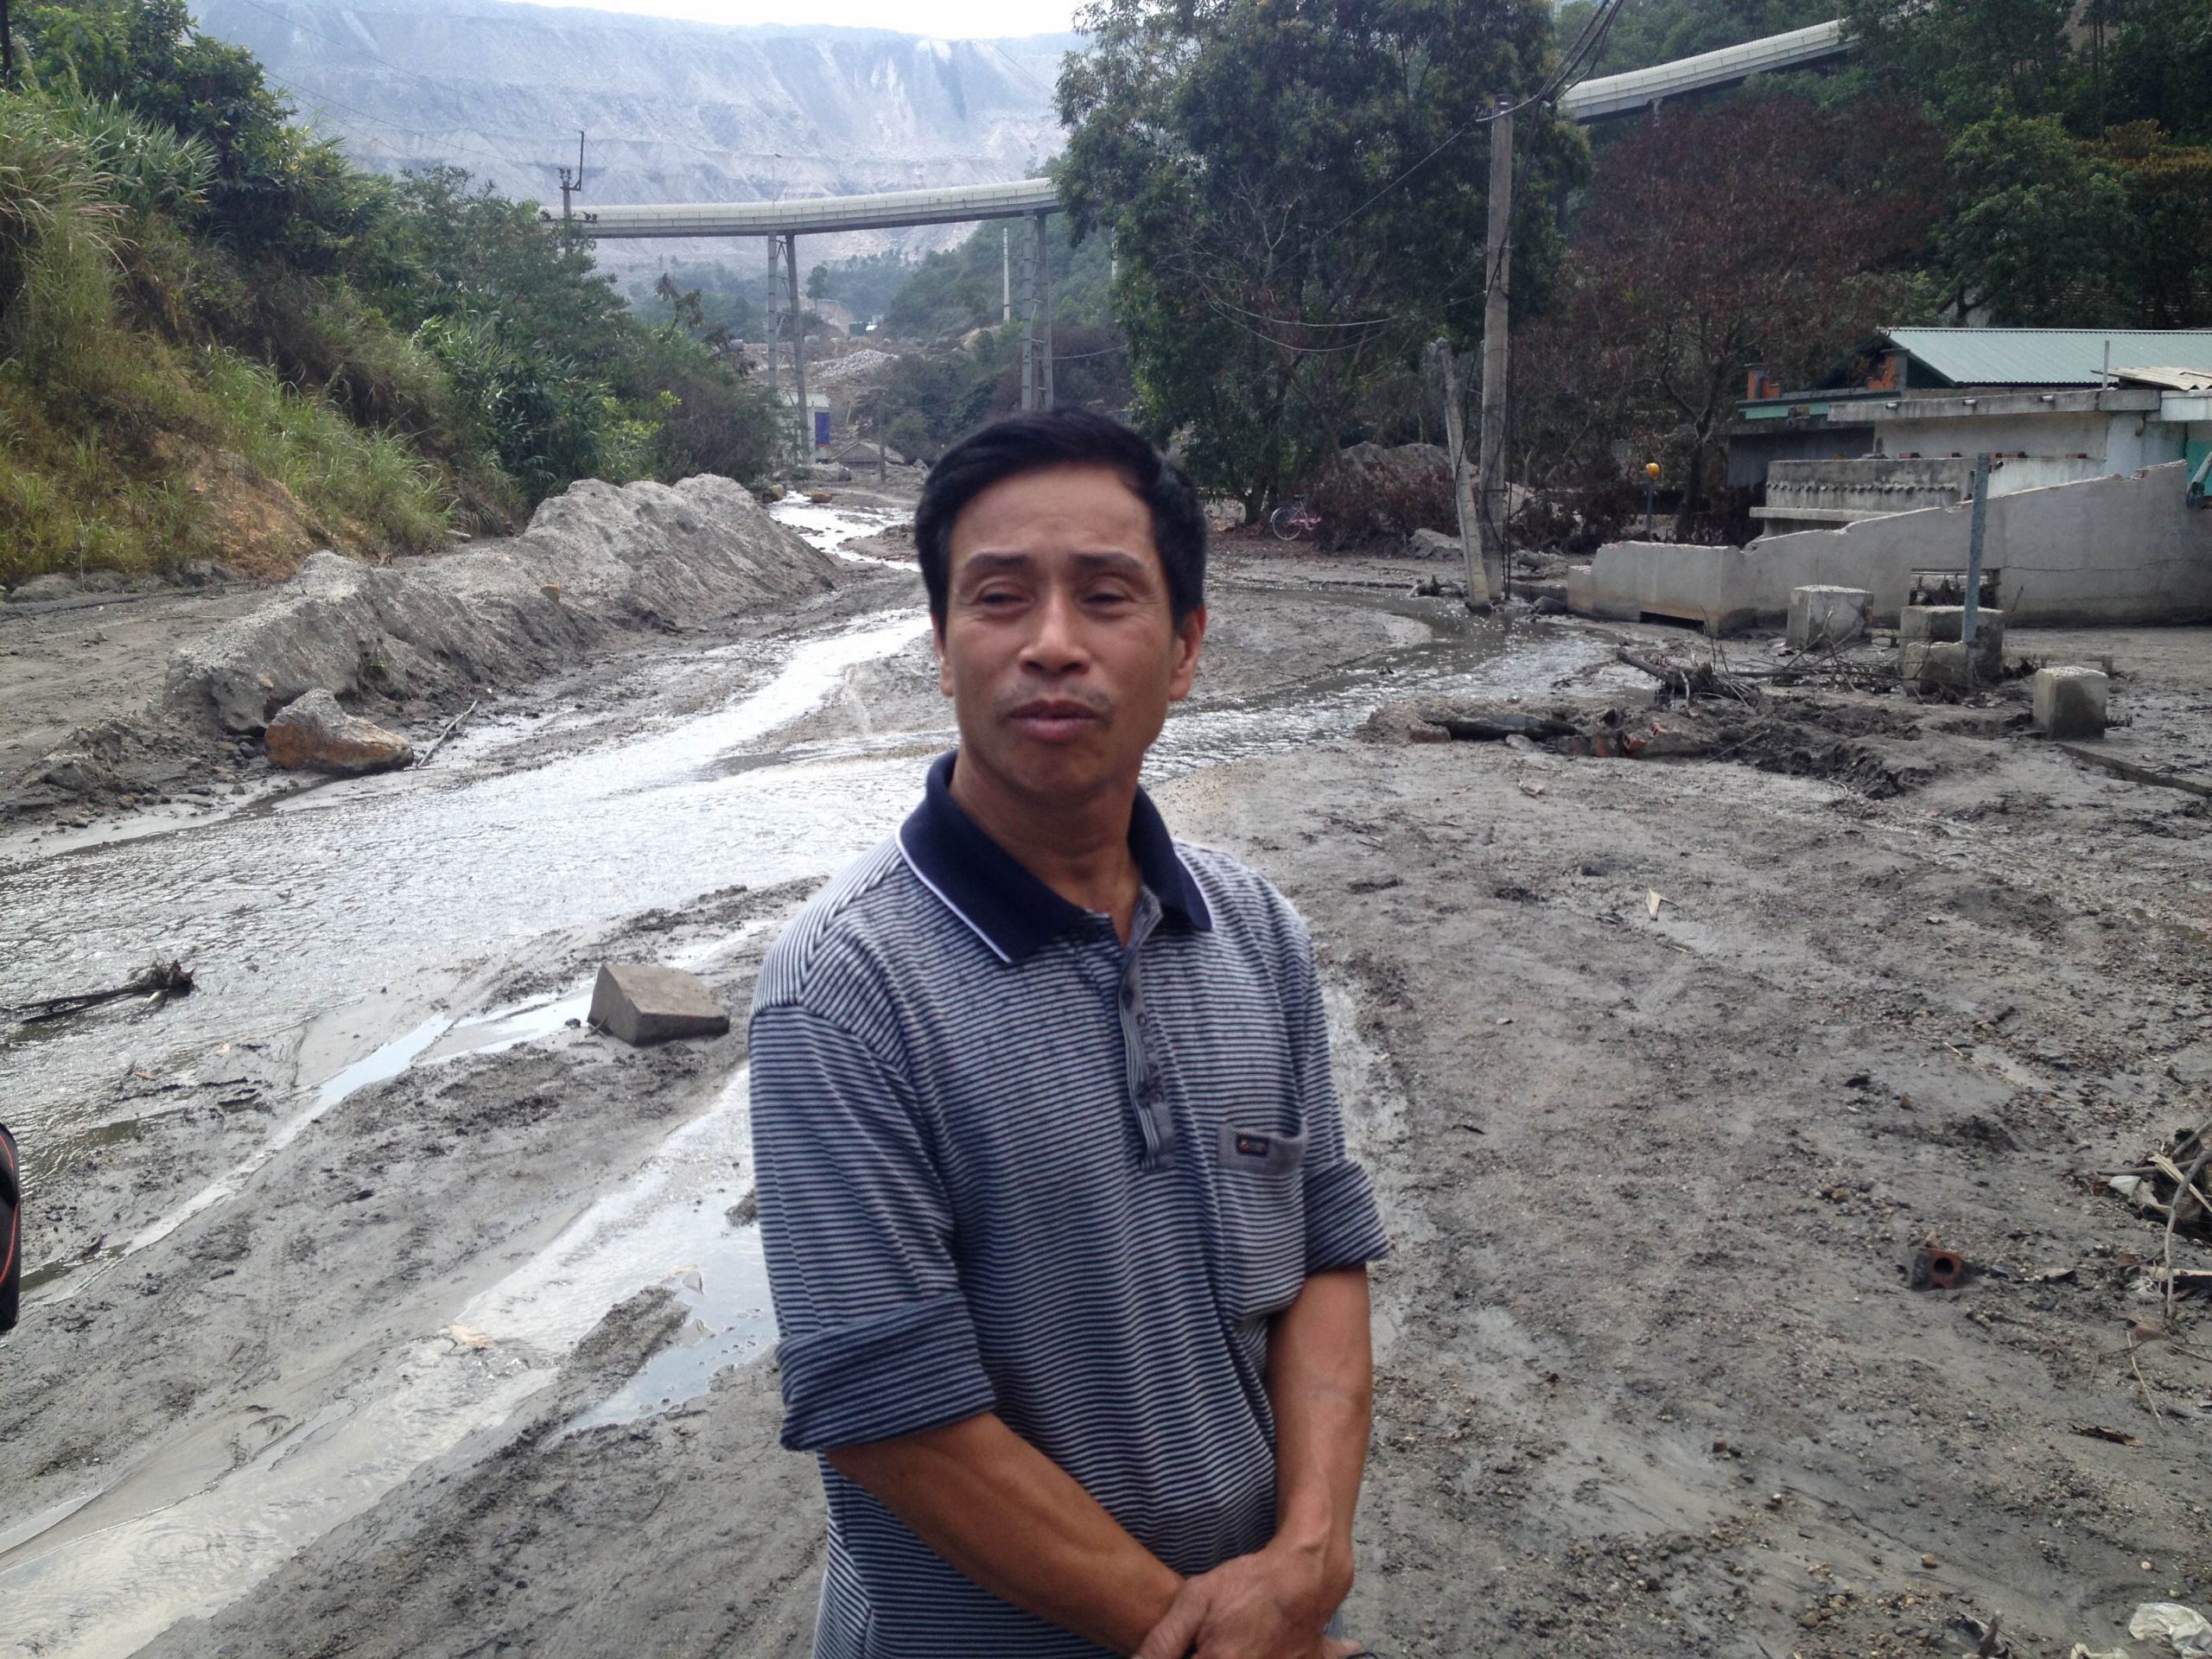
(1064, 438)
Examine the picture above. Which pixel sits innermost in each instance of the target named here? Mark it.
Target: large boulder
(313, 732)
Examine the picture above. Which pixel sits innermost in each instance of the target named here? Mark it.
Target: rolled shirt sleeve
(877, 1341)
(1344, 1228)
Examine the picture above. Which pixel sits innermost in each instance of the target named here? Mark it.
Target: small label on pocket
(1262, 1151)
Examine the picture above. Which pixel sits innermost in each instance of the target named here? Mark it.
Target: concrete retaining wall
(2115, 549)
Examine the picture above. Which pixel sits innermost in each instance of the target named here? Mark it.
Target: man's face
(1058, 647)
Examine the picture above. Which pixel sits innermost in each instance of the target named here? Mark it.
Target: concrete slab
(643, 1002)
(1939, 622)
(1821, 615)
(1943, 662)
(2070, 702)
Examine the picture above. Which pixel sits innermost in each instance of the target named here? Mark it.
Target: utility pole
(1044, 329)
(1497, 353)
(7, 51)
(571, 184)
(1463, 486)
(1977, 527)
(1005, 267)
(798, 354)
(775, 322)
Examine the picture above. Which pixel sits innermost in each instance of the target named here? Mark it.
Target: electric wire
(1586, 45)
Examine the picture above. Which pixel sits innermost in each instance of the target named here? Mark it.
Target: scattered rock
(313, 732)
(643, 1002)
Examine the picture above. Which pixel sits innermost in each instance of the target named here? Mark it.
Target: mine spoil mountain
(675, 111)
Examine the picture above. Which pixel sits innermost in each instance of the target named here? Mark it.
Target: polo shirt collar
(1009, 909)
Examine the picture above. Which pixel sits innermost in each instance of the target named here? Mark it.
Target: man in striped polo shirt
(1069, 1260)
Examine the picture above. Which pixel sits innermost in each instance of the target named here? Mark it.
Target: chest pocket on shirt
(1261, 1152)
(1261, 1188)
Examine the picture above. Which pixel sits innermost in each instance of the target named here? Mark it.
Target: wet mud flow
(344, 930)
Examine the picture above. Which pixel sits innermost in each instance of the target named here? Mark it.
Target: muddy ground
(1651, 1379)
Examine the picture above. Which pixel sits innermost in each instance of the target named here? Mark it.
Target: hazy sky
(948, 19)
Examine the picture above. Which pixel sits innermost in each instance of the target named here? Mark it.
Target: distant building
(818, 404)
(2050, 406)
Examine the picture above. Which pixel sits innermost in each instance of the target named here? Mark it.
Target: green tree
(273, 184)
(2040, 229)
(1969, 59)
(2166, 258)
(1296, 190)
(2155, 64)
(1650, 32)
(1712, 241)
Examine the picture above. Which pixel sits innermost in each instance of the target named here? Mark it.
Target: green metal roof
(2049, 357)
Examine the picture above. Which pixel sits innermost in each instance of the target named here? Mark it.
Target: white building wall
(2115, 550)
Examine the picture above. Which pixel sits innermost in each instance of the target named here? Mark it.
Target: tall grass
(107, 427)
(364, 484)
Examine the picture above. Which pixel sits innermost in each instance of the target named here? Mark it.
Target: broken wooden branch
(1697, 680)
(2136, 773)
(446, 731)
(1496, 728)
(160, 982)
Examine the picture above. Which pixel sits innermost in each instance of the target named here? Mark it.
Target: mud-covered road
(379, 1307)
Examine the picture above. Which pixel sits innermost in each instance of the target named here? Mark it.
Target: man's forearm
(1017, 1524)
(1321, 1383)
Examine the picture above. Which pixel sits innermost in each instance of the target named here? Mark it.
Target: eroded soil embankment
(172, 692)
(1650, 1378)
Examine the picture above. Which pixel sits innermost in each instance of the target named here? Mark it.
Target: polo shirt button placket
(1147, 1089)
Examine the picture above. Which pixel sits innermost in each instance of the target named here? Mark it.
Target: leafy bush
(1370, 491)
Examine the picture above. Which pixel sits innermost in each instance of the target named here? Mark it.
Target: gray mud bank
(168, 708)
(474, 1357)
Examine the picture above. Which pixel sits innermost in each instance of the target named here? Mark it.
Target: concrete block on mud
(1823, 616)
(1943, 662)
(643, 1002)
(2069, 702)
(1946, 622)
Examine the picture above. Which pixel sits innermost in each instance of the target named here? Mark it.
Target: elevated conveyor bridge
(784, 222)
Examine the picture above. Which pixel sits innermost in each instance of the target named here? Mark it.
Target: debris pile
(2170, 1185)
(159, 982)
(1865, 747)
